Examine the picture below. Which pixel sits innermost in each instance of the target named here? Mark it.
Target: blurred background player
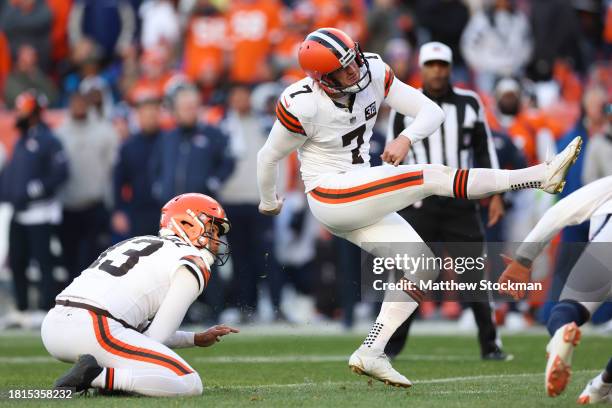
(30, 182)
(118, 319)
(442, 219)
(587, 287)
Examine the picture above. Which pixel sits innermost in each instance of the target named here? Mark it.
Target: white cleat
(593, 394)
(377, 366)
(560, 349)
(557, 168)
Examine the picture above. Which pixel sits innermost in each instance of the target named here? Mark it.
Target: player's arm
(572, 210)
(410, 102)
(281, 142)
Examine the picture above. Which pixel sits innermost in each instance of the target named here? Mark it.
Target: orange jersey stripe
(288, 120)
(119, 348)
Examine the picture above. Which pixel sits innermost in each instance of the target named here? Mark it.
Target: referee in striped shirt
(463, 141)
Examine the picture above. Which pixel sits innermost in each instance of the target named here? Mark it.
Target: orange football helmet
(192, 217)
(327, 50)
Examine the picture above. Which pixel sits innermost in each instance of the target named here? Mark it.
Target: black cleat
(80, 376)
(497, 355)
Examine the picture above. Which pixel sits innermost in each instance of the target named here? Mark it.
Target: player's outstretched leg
(479, 182)
(87, 373)
(599, 389)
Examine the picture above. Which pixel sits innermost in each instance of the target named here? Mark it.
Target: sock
(391, 316)
(480, 183)
(564, 312)
(606, 376)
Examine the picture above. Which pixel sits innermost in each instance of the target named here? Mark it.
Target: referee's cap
(435, 51)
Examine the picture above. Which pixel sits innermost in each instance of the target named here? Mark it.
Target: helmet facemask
(355, 54)
(199, 232)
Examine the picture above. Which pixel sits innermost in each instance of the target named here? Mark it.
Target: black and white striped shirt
(464, 139)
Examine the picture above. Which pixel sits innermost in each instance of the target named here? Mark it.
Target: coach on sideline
(463, 141)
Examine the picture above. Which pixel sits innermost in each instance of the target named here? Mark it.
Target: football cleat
(80, 376)
(377, 366)
(557, 168)
(560, 349)
(592, 394)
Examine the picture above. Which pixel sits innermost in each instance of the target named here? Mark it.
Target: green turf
(446, 372)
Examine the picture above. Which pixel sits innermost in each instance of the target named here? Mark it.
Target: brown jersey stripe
(339, 196)
(119, 348)
(286, 121)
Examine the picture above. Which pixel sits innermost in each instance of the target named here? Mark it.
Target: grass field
(312, 371)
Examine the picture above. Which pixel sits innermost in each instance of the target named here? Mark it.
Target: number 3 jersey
(337, 136)
(131, 279)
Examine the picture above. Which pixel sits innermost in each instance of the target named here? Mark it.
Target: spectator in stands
(496, 42)
(206, 43)
(91, 147)
(556, 34)
(254, 27)
(444, 21)
(27, 75)
(252, 236)
(28, 22)
(99, 96)
(5, 59)
(30, 182)
(160, 24)
(194, 157)
(60, 10)
(136, 211)
(388, 19)
(84, 62)
(110, 23)
(597, 163)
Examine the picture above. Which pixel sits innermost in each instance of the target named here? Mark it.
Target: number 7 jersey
(131, 279)
(337, 137)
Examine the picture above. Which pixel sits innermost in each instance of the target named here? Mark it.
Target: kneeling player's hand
(396, 151)
(515, 272)
(213, 335)
(274, 211)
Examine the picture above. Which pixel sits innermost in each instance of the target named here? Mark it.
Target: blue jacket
(37, 156)
(577, 233)
(190, 160)
(132, 169)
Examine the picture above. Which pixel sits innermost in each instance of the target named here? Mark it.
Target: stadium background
(123, 54)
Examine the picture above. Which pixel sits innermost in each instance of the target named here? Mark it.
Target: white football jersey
(131, 279)
(337, 138)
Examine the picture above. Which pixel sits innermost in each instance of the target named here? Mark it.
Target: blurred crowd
(111, 107)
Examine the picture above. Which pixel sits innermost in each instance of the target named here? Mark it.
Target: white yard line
(257, 359)
(332, 384)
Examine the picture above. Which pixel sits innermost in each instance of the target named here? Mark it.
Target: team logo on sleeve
(370, 111)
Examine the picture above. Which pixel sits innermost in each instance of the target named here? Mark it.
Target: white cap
(506, 85)
(435, 51)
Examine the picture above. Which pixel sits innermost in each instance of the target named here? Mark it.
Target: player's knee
(193, 384)
(438, 178)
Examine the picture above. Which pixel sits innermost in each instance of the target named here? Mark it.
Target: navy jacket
(132, 170)
(38, 155)
(190, 160)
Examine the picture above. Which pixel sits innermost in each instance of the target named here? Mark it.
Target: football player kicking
(587, 286)
(119, 318)
(328, 117)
